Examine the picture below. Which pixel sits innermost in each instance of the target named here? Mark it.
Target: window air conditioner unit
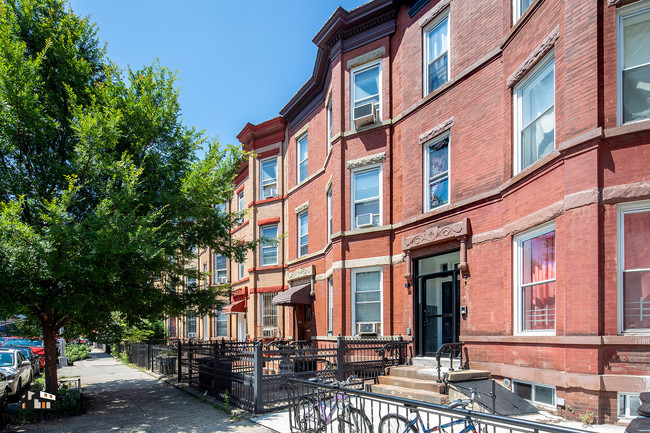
(364, 220)
(222, 280)
(365, 114)
(191, 335)
(269, 333)
(271, 192)
(367, 328)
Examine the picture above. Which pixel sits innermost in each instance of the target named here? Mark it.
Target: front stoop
(420, 382)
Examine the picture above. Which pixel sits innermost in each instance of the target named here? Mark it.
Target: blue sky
(236, 61)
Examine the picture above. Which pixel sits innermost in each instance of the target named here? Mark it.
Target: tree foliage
(102, 198)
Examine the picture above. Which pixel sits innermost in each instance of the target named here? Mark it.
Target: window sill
(376, 125)
(628, 128)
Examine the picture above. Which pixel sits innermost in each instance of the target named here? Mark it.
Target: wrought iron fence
(324, 408)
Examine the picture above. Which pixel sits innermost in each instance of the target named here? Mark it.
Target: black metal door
(438, 308)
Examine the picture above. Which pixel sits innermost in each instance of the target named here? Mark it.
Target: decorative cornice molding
(367, 160)
(433, 13)
(301, 273)
(367, 57)
(437, 130)
(302, 207)
(436, 234)
(533, 58)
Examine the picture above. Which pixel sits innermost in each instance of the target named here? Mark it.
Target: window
(634, 267)
(330, 306)
(628, 405)
(436, 54)
(240, 205)
(366, 301)
(329, 213)
(191, 282)
(205, 276)
(535, 279)
(269, 249)
(366, 87)
(220, 324)
(366, 197)
(240, 271)
(634, 63)
(540, 394)
(269, 178)
(519, 7)
(269, 314)
(191, 325)
(329, 123)
(436, 160)
(302, 158)
(303, 232)
(535, 115)
(204, 330)
(220, 269)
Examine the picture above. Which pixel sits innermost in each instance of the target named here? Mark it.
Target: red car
(36, 345)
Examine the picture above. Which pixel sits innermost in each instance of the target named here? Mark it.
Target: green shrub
(77, 352)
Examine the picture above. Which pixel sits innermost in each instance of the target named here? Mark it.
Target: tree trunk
(51, 361)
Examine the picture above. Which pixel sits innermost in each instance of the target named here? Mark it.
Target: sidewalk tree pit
(103, 200)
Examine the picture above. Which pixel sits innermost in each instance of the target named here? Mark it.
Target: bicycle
(312, 415)
(396, 423)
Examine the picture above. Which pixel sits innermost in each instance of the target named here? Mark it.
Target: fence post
(214, 368)
(189, 362)
(400, 349)
(258, 363)
(180, 369)
(339, 358)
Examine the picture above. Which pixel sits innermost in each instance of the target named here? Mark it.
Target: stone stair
(419, 382)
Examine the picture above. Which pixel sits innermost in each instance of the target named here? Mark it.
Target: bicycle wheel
(354, 421)
(394, 423)
(307, 417)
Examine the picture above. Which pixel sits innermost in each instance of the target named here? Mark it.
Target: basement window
(534, 392)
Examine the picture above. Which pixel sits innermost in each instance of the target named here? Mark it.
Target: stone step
(407, 382)
(415, 372)
(465, 375)
(411, 394)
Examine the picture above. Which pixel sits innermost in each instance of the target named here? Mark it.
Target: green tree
(102, 198)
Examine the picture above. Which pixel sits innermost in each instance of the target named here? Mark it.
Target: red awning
(295, 295)
(235, 307)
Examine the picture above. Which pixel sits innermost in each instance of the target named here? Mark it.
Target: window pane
(439, 193)
(366, 185)
(636, 40)
(371, 207)
(544, 395)
(371, 296)
(438, 154)
(366, 83)
(220, 262)
(367, 281)
(270, 256)
(539, 307)
(538, 95)
(269, 171)
(303, 221)
(637, 240)
(538, 258)
(302, 148)
(635, 402)
(303, 170)
(636, 300)
(270, 232)
(438, 41)
(438, 73)
(368, 312)
(636, 94)
(538, 138)
(524, 390)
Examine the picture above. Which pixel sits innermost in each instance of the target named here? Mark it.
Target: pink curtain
(539, 265)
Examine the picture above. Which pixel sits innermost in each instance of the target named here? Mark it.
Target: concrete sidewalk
(123, 399)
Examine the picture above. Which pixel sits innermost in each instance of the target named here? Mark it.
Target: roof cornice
(343, 32)
(256, 136)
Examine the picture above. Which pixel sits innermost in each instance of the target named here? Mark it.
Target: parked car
(4, 386)
(17, 368)
(35, 343)
(31, 356)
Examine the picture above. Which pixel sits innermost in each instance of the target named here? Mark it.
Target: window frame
(241, 270)
(303, 139)
(353, 173)
(533, 391)
(224, 318)
(427, 177)
(353, 295)
(353, 73)
(329, 213)
(431, 27)
(264, 308)
(330, 305)
(329, 114)
(517, 12)
(263, 162)
(517, 96)
(240, 205)
(265, 246)
(622, 13)
(627, 396)
(188, 318)
(302, 214)
(621, 210)
(217, 270)
(518, 241)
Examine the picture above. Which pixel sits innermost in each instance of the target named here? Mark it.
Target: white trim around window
(440, 180)
(519, 7)
(269, 178)
(329, 213)
(535, 392)
(370, 299)
(359, 98)
(441, 49)
(329, 121)
(636, 66)
(641, 306)
(367, 204)
(269, 251)
(303, 233)
(302, 163)
(538, 319)
(534, 114)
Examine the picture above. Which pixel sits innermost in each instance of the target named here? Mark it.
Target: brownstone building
(473, 171)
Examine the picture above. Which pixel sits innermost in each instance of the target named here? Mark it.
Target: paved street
(123, 399)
